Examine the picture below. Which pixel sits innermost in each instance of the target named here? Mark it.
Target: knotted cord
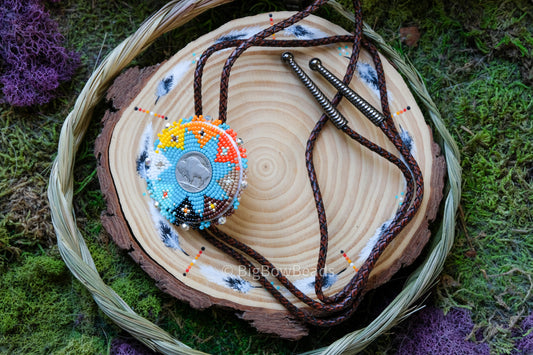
(328, 310)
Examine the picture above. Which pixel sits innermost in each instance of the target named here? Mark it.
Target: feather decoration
(144, 149)
(243, 33)
(407, 140)
(170, 80)
(365, 252)
(369, 76)
(167, 233)
(304, 32)
(307, 284)
(225, 279)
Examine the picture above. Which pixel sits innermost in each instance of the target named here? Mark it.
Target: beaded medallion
(202, 171)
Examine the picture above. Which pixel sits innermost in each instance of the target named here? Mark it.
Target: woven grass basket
(78, 258)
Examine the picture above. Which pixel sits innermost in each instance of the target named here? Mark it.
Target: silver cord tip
(287, 57)
(315, 63)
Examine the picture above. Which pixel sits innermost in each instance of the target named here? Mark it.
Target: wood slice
(273, 113)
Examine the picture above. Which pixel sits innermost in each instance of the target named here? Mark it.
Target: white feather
(304, 32)
(242, 33)
(365, 252)
(144, 148)
(219, 277)
(173, 241)
(369, 76)
(171, 79)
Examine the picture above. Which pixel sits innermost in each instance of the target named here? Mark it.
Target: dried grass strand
(77, 257)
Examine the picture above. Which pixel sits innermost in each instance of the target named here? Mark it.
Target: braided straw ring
(77, 257)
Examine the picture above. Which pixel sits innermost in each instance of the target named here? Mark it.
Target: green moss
(141, 296)
(83, 345)
(39, 309)
(20, 288)
(488, 108)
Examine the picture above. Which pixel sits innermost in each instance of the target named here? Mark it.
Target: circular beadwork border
(196, 172)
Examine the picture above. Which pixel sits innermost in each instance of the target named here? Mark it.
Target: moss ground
(477, 60)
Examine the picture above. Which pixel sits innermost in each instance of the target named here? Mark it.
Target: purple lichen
(33, 62)
(431, 332)
(120, 346)
(525, 344)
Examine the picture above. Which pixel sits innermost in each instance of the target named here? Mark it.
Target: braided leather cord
(328, 310)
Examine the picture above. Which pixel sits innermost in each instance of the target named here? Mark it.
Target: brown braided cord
(337, 308)
(77, 256)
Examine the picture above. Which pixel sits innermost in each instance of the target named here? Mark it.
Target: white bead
(222, 220)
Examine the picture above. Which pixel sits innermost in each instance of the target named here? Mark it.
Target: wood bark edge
(120, 94)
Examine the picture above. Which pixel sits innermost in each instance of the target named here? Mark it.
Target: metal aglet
(361, 104)
(334, 115)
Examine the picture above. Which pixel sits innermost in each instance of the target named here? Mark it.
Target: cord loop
(337, 308)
